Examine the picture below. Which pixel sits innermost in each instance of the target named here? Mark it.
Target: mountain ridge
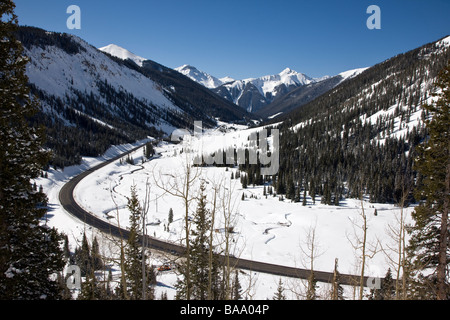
(264, 95)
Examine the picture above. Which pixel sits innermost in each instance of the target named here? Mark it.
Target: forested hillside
(360, 138)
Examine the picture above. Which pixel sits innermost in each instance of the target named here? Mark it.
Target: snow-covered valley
(265, 228)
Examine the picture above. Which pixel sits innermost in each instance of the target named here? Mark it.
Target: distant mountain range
(268, 95)
(265, 96)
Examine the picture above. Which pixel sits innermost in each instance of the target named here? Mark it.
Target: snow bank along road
(70, 205)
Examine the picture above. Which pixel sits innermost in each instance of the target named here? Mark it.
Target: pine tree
(89, 288)
(430, 239)
(244, 181)
(149, 151)
(96, 258)
(30, 252)
(237, 288)
(83, 257)
(66, 249)
(387, 289)
(133, 252)
(199, 248)
(170, 218)
(279, 295)
(199, 254)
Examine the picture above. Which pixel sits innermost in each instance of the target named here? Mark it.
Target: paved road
(70, 205)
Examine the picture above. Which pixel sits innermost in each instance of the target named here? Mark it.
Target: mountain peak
(186, 67)
(122, 53)
(287, 71)
(198, 76)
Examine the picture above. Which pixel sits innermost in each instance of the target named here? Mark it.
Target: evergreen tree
(89, 288)
(149, 151)
(170, 218)
(83, 257)
(30, 252)
(199, 248)
(237, 288)
(133, 253)
(244, 181)
(279, 295)
(199, 254)
(387, 289)
(66, 249)
(96, 258)
(430, 239)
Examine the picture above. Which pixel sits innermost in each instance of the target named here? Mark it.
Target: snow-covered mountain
(92, 99)
(202, 77)
(306, 93)
(254, 93)
(122, 53)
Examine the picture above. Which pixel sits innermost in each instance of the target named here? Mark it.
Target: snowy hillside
(122, 53)
(93, 99)
(346, 75)
(60, 73)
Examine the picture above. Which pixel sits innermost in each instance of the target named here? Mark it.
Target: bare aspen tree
(360, 244)
(216, 188)
(336, 290)
(310, 252)
(145, 209)
(396, 253)
(250, 290)
(180, 186)
(228, 206)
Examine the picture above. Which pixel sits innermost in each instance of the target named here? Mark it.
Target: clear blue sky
(250, 38)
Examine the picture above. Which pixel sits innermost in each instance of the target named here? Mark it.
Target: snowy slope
(351, 73)
(59, 73)
(122, 53)
(65, 72)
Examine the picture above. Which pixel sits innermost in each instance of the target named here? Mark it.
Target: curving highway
(68, 202)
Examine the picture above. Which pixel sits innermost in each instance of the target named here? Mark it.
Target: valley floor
(265, 228)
